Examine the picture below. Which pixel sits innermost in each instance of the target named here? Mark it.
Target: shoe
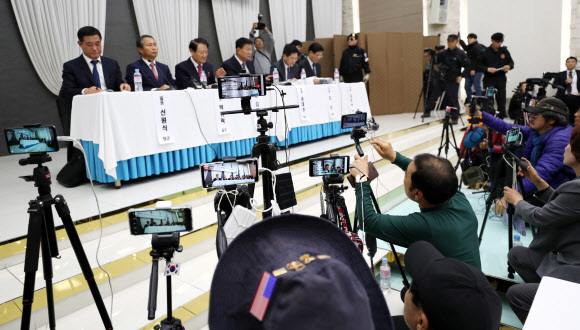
(426, 115)
(463, 129)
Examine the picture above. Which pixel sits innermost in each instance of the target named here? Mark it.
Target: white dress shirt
(574, 81)
(99, 70)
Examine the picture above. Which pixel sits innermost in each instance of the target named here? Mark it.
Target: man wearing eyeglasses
(310, 63)
(354, 60)
(287, 67)
(495, 61)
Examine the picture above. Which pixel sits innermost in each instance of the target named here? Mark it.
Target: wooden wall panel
(395, 69)
(412, 45)
(378, 91)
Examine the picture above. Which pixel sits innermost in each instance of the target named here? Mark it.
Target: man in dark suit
(189, 70)
(287, 67)
(155, 75)
(298, 46)
(242, 59)
(310, 63)
(90, 73)
(569, 79)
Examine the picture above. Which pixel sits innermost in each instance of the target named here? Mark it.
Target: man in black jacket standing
(569, 79)
(495, 62)
(354, 60)
(474, 74)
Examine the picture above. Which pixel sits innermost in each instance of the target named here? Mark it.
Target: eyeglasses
(319, 56)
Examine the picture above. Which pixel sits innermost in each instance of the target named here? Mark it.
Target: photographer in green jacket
(446, 219)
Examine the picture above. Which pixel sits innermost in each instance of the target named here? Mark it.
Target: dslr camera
(261, 25)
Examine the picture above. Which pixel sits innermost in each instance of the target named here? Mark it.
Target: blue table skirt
(177, 160)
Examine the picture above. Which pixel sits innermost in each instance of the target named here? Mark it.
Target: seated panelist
(242, 59)
(191, 69)
(286, 66)
(155, 75)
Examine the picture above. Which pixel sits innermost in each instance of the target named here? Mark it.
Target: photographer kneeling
(546, 137)
(555, 249)
(446, 219)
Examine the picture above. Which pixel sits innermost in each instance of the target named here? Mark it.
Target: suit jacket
(304, 64)
(186, 71)
(76, 76)
(294, 70)
(233, 67)
(147, 76)
(555, 249)
(560, 80)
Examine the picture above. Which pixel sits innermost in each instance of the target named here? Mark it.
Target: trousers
(498, 83)
(521, 296)
(475, 82)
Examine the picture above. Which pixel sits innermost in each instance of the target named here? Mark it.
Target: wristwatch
(361, 178)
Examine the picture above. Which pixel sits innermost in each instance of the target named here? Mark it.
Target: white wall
(532, 29)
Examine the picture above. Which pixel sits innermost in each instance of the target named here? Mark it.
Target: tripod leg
(153, 282)
(169, 302)
(64, 213)
(488, 203)
(31, 260)
(454, 140)
(418, 102)
(510, 242)
(442, 141)
(48, 274)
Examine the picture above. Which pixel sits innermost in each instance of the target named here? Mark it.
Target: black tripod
(163, 246)
(425, 89)
(445, 141)
(41, 235)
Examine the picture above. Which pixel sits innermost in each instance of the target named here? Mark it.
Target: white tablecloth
(124, 124)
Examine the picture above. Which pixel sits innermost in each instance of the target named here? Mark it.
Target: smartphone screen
(31, 139)
(325, 166)
(513, 135)
(354, 120)
(243, 86)
(160, 221)
(230, 173)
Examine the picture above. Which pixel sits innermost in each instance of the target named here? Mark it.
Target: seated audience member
(264, 46)
(555, 249)
(155, 75)
(242, 59)
(569, 79)
(287, 67)
(546, 137)
(446, 219)
(446, 294)
(310, 63)
(298, 46)
(191, 69)
(90, 73)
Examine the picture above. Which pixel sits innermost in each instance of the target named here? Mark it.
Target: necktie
(96, 73)
(314, 69)
(288, 74)
(569, 86)
(152, 65)
(199, 71)
(244, 66)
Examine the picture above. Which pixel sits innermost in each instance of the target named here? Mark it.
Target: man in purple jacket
(547, 136)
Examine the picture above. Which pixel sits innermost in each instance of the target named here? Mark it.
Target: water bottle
(336, 76)
(302, 74)
(276, 76)
(385, 275)
(203, 78)
(517, 241)
(138, 80)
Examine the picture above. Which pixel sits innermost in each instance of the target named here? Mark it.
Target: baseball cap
(453, 294)
(549, 104)
(452, 37)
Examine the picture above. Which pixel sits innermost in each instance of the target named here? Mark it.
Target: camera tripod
(445, 141)
(41, 236)
(425, 89)
(163, 246)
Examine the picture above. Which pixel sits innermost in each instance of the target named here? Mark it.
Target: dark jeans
(521, 296)
(475, 82)
(451, 99)
(498, 83)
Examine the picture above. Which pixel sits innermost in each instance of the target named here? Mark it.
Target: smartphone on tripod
(31, 139)
(328, 165)
(160, 221)
(219, 174)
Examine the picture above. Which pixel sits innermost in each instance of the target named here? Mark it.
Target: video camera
(542, 83)
(433, 51)
(261, 25)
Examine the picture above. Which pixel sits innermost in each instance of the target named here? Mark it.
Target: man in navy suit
(242, 60)
(310, 63)
(189, 70)
(287, 67)
(570, 80)
(155, 75)
(90, 73)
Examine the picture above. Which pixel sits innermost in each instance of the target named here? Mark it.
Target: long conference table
(129, 135)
